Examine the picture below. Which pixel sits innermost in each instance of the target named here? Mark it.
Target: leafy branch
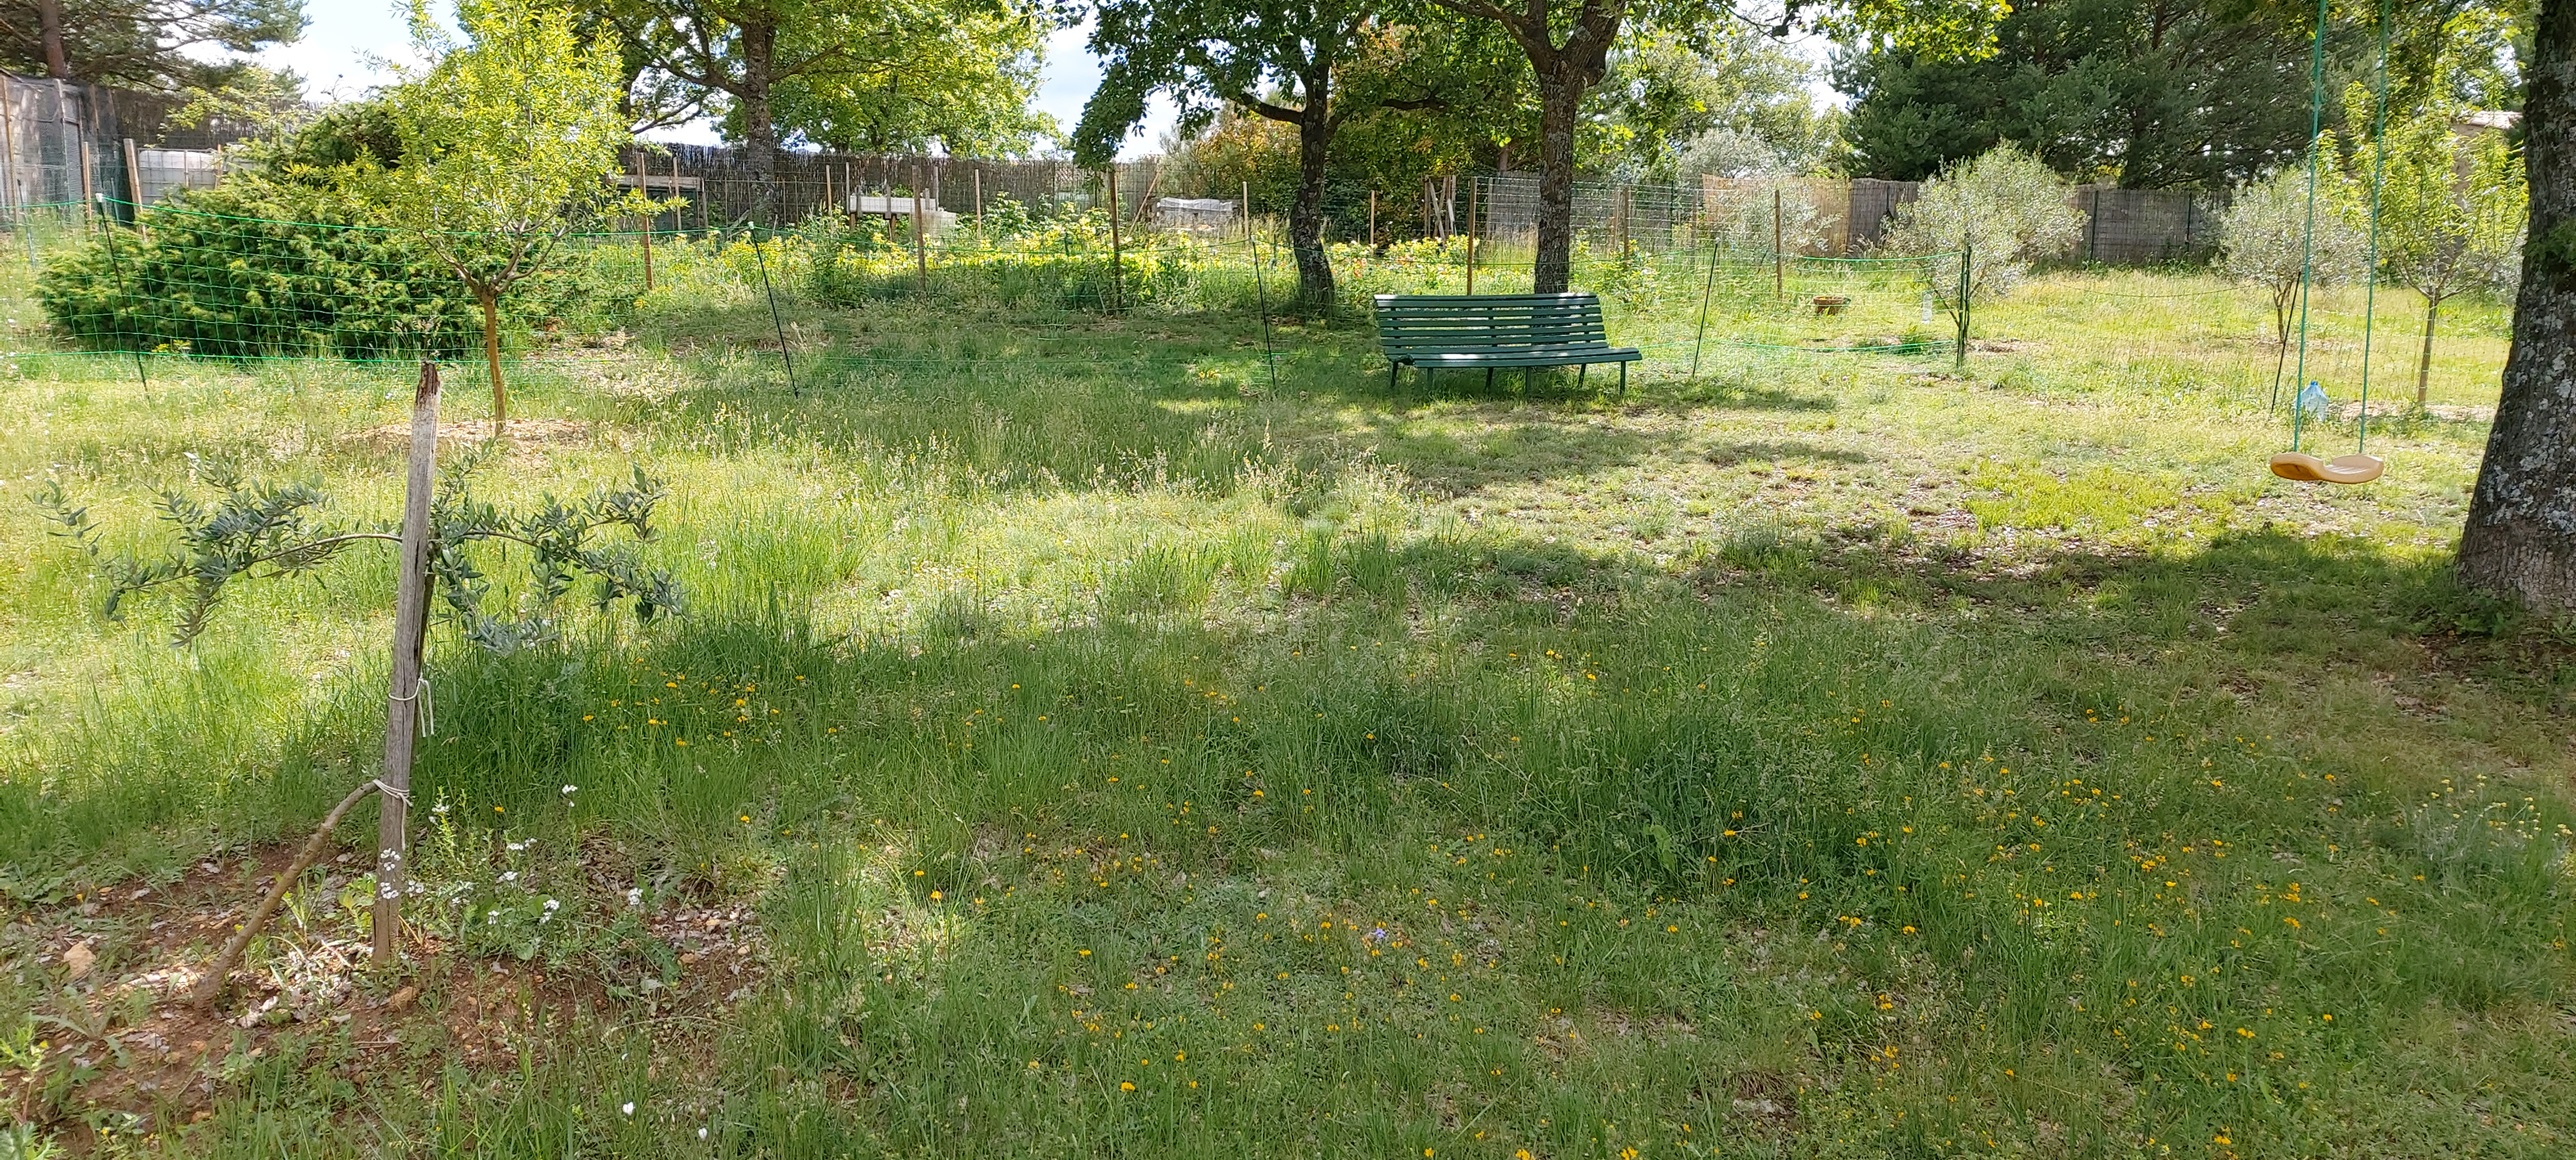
(262, 530)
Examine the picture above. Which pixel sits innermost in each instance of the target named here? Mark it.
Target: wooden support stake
(1372, 219)
(648, 253)
(133, 177)
(979, 203)
(1779, 265)
(920, 248)
(10, 194)
(1116, 263)
(89, 198)
(1471, 235)
(403, 700)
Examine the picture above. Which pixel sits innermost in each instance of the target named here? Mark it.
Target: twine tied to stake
(428, 720)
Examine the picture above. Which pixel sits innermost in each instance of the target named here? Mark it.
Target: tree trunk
(491, 300)
(759, 126)
(1560, 101)
(49, 22)
(1306, 214)
(2521, 536)
(2280, 343)
(403, 699)
(2424, 363)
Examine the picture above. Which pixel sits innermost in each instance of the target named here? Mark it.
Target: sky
(348, 45)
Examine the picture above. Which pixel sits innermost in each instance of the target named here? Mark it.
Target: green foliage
(507, 140)
(2451, 205)
(2005, 207)
(951, 76)
(2269, 239)
(1063, 260)
(885, 75)
(2203, 93)
(256, 268)
(1667, 94)
(263, 530)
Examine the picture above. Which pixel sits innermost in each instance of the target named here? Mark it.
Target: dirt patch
(125, 1051)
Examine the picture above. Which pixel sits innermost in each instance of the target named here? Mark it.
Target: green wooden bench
(1435, 332)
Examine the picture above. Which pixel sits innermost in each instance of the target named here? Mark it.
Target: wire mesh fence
(1712, 282)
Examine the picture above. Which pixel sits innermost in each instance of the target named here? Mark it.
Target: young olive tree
(508, 141)
(2001, 212)
(2451, 211)
(445, 539)
(2265, 241)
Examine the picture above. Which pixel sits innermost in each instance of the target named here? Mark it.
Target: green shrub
(279, 260)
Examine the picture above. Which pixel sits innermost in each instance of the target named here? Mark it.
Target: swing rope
(2308, 235)
(2358, 467)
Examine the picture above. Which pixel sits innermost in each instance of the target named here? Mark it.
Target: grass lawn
(1081, 742)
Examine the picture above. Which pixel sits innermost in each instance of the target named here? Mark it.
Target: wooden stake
(10, 195)
(1779, 265)
(408, 693)
(648, 253)
(89, 199)
(133, 176)
(979, 203)
(1627, 230)
(1372, 219)
(1116, 264)
(1471, 235)
(920, 249)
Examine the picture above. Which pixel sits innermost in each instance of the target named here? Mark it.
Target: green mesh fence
(181, 283)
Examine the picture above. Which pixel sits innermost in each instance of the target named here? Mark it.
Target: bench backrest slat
(1411, 324)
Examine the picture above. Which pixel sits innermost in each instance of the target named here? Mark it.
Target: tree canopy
(882, 74)
(148, 44)
(2147, 93)
(1308, 64)
(506, 145)
(1568, 44)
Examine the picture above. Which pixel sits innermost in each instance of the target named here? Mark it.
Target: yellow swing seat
(2341, 469)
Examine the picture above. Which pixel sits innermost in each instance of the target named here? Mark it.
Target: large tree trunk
(759, 125)
(1560, 103)
(49, 23)
(1306, 215)
(2521, 536)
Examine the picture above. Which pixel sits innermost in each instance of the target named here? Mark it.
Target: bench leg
(1390, 377)
(1580, 373)
(1489, 380)
(1623, 380)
